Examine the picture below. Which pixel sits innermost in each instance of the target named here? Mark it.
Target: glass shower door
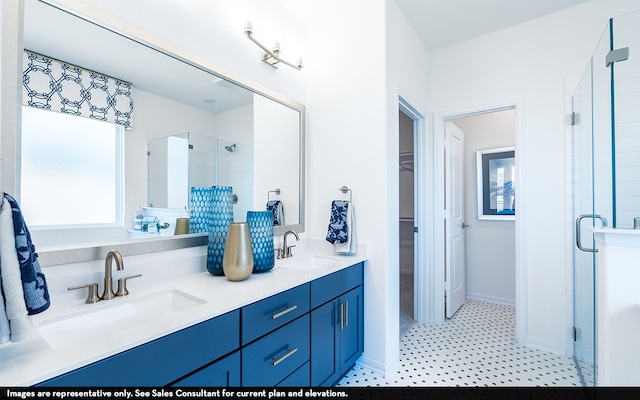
(606, 166)
(592, 167)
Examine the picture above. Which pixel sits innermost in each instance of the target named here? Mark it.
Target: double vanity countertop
(61, 342)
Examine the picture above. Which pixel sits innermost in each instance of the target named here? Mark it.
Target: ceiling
(441, 23)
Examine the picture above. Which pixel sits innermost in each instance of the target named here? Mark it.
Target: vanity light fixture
(271, 57)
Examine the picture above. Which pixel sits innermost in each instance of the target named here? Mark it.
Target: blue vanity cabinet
(222, 373)
(337, 338)
(298, 378)
(273, 312)
(275, 339)
(272, 358)
(164, 360)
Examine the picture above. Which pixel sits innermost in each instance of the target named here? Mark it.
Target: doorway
(406, 222)
(489, 259)
(489, 243)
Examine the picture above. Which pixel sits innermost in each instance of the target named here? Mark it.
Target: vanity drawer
(331, 286)
(269, 360)
(273, 312)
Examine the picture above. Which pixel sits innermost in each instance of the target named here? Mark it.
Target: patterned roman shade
(58, 86)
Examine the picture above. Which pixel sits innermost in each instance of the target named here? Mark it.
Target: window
(71, 172)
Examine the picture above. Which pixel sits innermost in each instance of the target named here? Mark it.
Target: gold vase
(237, 260)
(182, 226)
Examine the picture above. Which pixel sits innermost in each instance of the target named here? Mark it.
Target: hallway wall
(490, 245)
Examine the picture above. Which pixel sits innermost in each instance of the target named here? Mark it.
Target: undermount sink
(110, 317)
(308, 262)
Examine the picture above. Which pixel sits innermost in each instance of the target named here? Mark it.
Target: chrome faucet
(285, 252)
(108, 293)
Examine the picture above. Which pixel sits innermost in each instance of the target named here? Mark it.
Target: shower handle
(578, 230)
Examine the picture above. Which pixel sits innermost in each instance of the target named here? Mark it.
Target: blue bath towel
(34, 284)
(276, 208)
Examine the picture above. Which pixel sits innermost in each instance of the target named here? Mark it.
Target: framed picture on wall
(496, 169)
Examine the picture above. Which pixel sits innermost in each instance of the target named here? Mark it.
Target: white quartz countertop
(35, 360)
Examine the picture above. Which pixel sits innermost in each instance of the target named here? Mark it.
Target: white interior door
(454, 240)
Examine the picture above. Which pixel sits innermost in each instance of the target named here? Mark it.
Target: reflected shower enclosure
(180, 162)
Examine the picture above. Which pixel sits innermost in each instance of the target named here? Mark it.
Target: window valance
(58, 86)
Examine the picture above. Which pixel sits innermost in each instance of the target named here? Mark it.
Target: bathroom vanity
(300, 324)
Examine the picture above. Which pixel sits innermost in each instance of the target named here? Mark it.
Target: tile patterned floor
(474, 348)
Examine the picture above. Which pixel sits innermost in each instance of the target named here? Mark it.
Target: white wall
(490, 245)
(531, 62)
(213, 32)
(347, 145)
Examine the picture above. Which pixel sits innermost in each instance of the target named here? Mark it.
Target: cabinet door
(225, 372)
(351, 335)
(325, 331)
(337, 339)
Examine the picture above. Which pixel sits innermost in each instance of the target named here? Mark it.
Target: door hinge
(617, 55)
(148, 153)
(415, 229)
(574, 118)
(575, 334)
(190, 147)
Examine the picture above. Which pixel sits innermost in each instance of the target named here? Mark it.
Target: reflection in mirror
(180, 162)
(175, 98)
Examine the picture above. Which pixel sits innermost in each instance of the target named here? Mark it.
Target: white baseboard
(492, 299)
(551, 347)
(376, 366)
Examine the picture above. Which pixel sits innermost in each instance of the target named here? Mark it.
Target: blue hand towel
(276, 208)
(34, 284)
(342, 227)
(338, 226)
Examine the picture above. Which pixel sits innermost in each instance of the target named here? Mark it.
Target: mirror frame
(80, 253)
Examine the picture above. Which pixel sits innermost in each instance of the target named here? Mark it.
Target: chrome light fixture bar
(271, 57)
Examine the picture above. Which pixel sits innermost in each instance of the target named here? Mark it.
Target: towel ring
(345, 189)
(277, 191)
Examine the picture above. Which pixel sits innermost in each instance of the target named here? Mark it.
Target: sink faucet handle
(122, 285)
(92, 296)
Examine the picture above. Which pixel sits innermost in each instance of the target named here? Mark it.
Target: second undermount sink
(110, 317)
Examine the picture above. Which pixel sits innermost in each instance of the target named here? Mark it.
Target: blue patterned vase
(200, 209)
(261, 231)
(221, 217)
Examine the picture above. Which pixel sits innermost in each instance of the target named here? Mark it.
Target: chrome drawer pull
(283, 312)
(284, 357)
